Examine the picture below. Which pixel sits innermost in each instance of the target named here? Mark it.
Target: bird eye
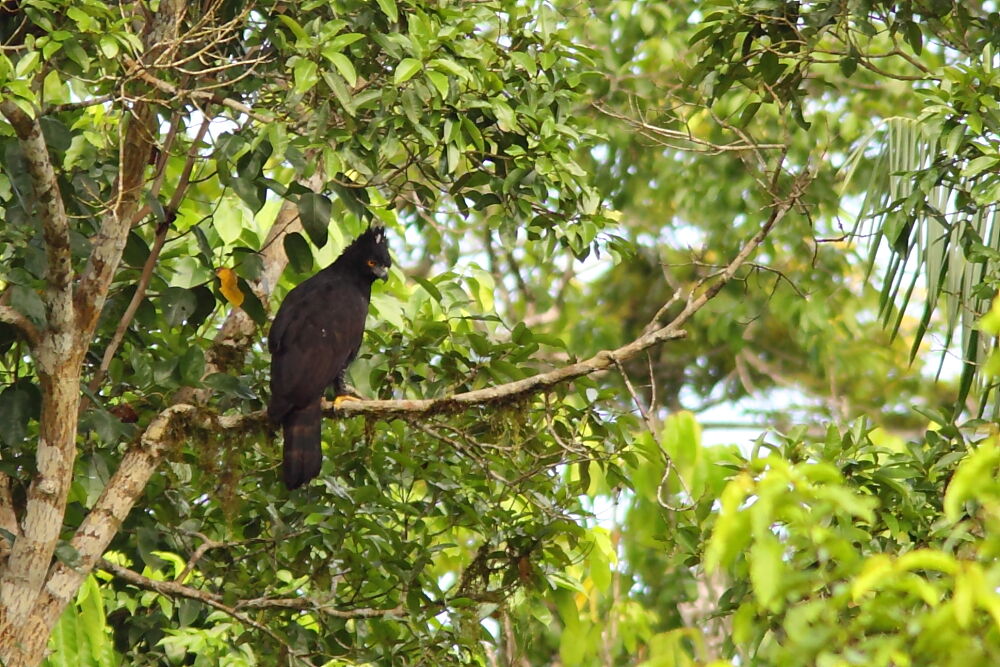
(372, 263)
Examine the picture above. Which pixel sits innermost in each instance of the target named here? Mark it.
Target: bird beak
(381, 271)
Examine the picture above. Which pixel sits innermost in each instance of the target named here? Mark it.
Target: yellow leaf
(229, 289)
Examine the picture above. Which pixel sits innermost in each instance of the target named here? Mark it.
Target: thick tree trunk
(31, 554)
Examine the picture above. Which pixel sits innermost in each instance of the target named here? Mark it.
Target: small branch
(778, 211)
(175, 91)
(668, 462)
(196, 556)
(154, 253)
(511, 390)
(635, 399)
(133, 306)
(109, 242)
(175, 590)
(677, 135)
(22, 324)
(73, 106)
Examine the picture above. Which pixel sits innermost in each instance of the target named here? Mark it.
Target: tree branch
(176, 590)
(109, 243)
(175, 91)
(137, 465)
(154, 253)
(22, 324)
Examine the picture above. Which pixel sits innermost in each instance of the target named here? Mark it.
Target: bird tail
(303, 453)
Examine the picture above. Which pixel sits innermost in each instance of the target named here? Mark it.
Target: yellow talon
(346, 397)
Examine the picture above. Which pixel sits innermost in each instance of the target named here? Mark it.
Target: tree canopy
(610, 223)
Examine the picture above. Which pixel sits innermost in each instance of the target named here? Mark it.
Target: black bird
(315, 336)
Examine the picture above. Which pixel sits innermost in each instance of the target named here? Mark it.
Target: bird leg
(343, 391)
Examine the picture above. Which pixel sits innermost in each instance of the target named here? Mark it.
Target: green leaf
(19, 403)
(298, 252)
(977, 471)
(306, 75)
(67, 554)
(344, 66)
(315, 211)
(109, 428)
(748, 113)
(980, 164)
(339, 87)
(177, 304)
(227, 384)
(251, 304)
(406, 69)
(192, 366)
(767, 571)
(27, 302)
(93, 622)
(389, 9)
(731, 533)
(451, 67)
(505, 116)
(109, 47)
(848, 65)
(429, 287)
(58, 137)
(355, 199)
(27, 64)
(914, 36)
(340, 42)
(248, 190)
(292, 25)
(440, 82)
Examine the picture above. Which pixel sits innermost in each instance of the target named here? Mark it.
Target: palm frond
(911, 216)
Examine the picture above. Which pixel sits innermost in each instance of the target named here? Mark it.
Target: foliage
(82, 636)
(555, 178)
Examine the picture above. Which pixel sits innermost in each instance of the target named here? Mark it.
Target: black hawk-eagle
(315, 336)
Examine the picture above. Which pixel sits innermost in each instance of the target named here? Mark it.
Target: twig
(667, 460)
(174, 589)
(150, 263)
(73, 106)
(175, 91)
(635, 398)
(686, 136)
